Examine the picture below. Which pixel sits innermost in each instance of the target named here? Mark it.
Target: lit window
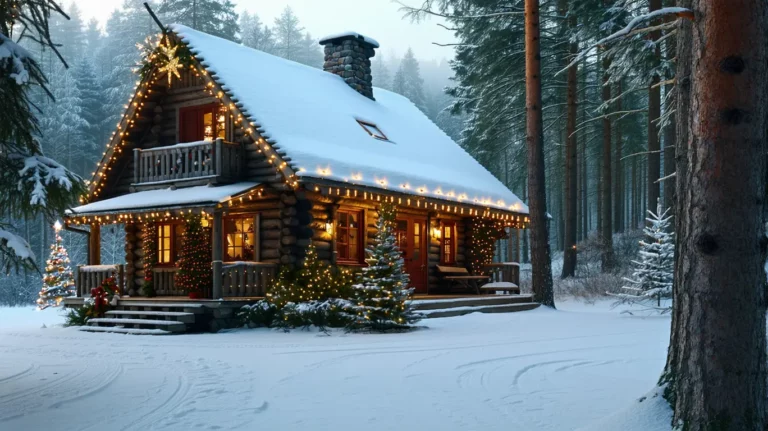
(448, 239)
(202, 123)
(373, 130)
(169, 236)
(239, 235)
(349, 236)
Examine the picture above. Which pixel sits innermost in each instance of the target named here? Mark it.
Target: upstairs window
(202, 123)
(373, 130)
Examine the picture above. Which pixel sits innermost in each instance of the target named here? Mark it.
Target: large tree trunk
(716, 366)
(654, 112)
(571, 167)
(606, 230)
(618, 180)
(537, 199)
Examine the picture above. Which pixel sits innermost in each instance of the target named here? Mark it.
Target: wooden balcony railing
(247, 279)
(91, 276)
(216, 161)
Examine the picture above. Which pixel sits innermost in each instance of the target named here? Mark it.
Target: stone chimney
(349, 56)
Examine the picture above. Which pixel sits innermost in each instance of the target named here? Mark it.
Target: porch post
(216, 255)
(94, 245)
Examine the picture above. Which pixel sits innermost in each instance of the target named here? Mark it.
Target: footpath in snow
(581, 367)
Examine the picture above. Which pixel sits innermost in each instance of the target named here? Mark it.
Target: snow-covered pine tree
(62, 122)
(652, 278)
(382, 77)
(58, 282)
(91, 139)
(255, 34)
(408, 81)
(380, 301)
(216, 17)
(288, 35)
(310, 52)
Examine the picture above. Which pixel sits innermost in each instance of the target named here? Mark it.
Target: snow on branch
(13, 53)
(14, 250)
(630, 29)
(43, 172)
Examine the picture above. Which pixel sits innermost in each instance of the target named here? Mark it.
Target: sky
(379, 19)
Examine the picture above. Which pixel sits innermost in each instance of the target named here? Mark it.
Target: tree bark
(537, 201)
(571, 151)
(606, 229)
(618, 180)
(716, 368)
(654, 112)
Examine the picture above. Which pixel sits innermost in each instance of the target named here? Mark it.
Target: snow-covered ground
(581, 367)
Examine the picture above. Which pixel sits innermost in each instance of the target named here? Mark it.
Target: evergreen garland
(380, 300)
(482, 236)
(160, 54)
(149, 246)
(195, 275)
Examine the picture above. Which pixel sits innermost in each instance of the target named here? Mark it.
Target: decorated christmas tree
(380, 299)
(195, 275)
(58, 282)
(313, 281)
(651, 280)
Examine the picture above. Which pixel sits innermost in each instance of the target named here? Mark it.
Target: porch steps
(178, 316)
(435, 308)
(129, 331)
(166, 325)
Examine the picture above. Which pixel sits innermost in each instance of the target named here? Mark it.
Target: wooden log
(271, 224)
(322, 245)
(288, 240)
(270, 234)
(270, 244)
(288, 199)
(270, 253)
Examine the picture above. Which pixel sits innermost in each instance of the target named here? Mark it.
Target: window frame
(173, 249)
(373, 130)
(361, 236)
(202, 109)
(448, 226)
(256, 220)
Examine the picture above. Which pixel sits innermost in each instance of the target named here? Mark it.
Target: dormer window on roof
(373, 130)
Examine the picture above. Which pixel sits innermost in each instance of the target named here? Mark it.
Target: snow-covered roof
(164, 198)
(313, 116)
(353, 34)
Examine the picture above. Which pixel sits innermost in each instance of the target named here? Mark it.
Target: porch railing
(164, 281)
(181, 162)
(247, 279)
(503, 272)
(91, 276)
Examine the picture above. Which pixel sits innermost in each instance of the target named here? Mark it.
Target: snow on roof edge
(352, 34)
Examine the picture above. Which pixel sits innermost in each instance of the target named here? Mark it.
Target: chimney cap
(338, 37)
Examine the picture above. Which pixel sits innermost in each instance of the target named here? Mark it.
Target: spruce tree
(651, 280)
(256, 34)
(195, 275)
(288, 35)
(382, 77)
(408, 81)
(215, 17)
(314, 281)
(91, 139)
(58, 282)
(310, 52)
(62, 122)
(380, 300)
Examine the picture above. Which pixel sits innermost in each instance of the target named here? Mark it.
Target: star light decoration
(173, 64)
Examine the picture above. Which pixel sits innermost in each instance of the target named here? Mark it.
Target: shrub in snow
(58, 281)
(380, 299)
(651, 280)
(260, 314)
(80, 316)
(330, 313)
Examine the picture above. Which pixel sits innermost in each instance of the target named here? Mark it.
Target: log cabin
(278, 156)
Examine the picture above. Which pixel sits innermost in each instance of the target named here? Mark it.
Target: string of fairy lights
(266, 146)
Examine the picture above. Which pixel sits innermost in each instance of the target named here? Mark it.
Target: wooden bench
(461, 276)
(505, 277)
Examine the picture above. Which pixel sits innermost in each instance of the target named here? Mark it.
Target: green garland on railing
(149, 246)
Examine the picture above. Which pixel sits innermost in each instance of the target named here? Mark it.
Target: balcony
(185, 165)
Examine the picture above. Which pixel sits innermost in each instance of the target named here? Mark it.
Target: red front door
(411, 237)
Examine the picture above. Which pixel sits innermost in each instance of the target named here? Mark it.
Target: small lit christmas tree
(652, 278)
(195, 275)
(58, 282)
(313, 281)
(380, 299)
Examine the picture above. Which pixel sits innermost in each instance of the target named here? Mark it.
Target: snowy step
(441, 304)
(460, 311)
(168, 325)
(119, 330)
(184, 307)
(178, 316)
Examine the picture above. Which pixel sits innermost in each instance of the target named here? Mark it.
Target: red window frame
(448, 243)
(344, 245)
(192, 122)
